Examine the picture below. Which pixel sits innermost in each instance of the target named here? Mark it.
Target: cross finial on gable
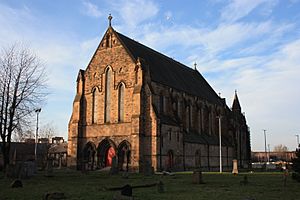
(109, 19)
(195, 65)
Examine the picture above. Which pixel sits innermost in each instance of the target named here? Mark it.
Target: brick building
(141, 106)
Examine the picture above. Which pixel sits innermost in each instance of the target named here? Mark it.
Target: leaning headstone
(126, 190)
(235, 167)
(114, 166)
(197, 177)
(160, 187)
(16, 184)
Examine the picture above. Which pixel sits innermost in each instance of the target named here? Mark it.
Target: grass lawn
(75, 185)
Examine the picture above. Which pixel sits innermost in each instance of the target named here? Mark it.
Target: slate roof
(169, 72)
(193, 137)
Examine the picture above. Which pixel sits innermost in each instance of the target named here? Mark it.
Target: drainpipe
(160, 147)
(183, 145)
(208, 164)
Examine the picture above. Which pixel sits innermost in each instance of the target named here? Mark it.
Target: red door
(110, 153)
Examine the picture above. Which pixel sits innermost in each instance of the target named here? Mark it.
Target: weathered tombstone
(126, 190)
(16, 184)
(27, 169)
(160, 187)
(285, 175)
(49, 168)
(114, 166)
(197, 177)
(148, 170)
(235, 167)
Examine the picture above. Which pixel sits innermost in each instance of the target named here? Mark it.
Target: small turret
(236, 104)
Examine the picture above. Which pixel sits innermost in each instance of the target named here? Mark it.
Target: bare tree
(280, 148)
(47, 131)
(22, 89)
(20, 135)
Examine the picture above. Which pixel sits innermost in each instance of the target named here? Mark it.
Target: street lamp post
(266, 155)
(220, 141)
(37, 111)
(297, 136)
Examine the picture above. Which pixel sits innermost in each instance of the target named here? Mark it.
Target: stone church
(135, 106)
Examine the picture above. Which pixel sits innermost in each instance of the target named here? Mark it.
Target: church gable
(112, 54)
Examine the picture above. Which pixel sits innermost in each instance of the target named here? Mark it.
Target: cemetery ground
(96, 184)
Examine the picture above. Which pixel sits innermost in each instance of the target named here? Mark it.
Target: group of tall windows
(107, 99)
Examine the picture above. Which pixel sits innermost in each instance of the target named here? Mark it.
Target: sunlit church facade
(142, 107)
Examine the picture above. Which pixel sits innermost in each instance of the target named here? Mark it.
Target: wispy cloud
(91, 9)
(134, 12)
(238, 9)
(56, 51)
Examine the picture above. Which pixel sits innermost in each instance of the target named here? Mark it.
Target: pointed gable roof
(167, 71)
(236, 104)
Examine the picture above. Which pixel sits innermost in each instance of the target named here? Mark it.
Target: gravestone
(197, 177)
(244, 181)
(148, 170)
(285, 175)
(16, 184)
(126, 190)
(28, 169)
(49, 168)
(160, 187)
(235, 167)
(114, 166)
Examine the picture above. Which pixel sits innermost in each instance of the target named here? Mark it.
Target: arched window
(94, 105)
(121, 103)
(107, 95)
(199, 121)
(179, 109)
(136, 76)
(191, 116)
(188, 117)
(161, 104)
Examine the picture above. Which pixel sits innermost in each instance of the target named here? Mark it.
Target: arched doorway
(124, 153)
(170, 159)
(89, 152)
(105, 153)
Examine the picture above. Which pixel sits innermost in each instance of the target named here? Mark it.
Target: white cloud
(267, 86)
(91, 9)
(62, 54)
(238, 9)
(134, 12)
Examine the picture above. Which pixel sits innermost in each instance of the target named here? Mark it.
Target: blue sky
(249, 45)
